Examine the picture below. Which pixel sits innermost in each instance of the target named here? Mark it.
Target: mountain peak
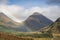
(37, 21)
(58, 20)
(2, 14)
(36, 13)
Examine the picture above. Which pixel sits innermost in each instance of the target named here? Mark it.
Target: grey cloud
(52, 12)
(53, 2)
(3, 1)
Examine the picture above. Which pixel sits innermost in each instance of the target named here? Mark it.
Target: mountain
(22, 28)
(54, 27)
(37, 21)
(7, 24)
(52, 30)
(6, 20)
(58, 20)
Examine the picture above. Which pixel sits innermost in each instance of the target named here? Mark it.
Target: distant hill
(37, 21)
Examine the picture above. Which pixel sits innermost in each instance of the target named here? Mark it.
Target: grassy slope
(5, 29)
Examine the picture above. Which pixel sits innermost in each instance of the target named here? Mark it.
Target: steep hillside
(5, 20)
(54, 27)
(11, 24)
(37, 21)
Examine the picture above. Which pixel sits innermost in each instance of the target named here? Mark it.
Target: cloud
(19, 13)
(15, 12)
(11, 10)
(3, 1)
(51, 12)
(53, 2)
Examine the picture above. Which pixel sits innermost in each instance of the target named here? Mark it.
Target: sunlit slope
(54, 27)
(11, 24)
(5, 20)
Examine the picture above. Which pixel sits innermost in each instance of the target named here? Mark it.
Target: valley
(36, 27)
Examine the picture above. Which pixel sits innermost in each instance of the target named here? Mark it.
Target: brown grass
(4, 36)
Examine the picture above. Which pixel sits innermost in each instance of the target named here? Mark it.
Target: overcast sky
(20, 10)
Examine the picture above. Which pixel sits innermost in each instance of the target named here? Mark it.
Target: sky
(20, 10)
